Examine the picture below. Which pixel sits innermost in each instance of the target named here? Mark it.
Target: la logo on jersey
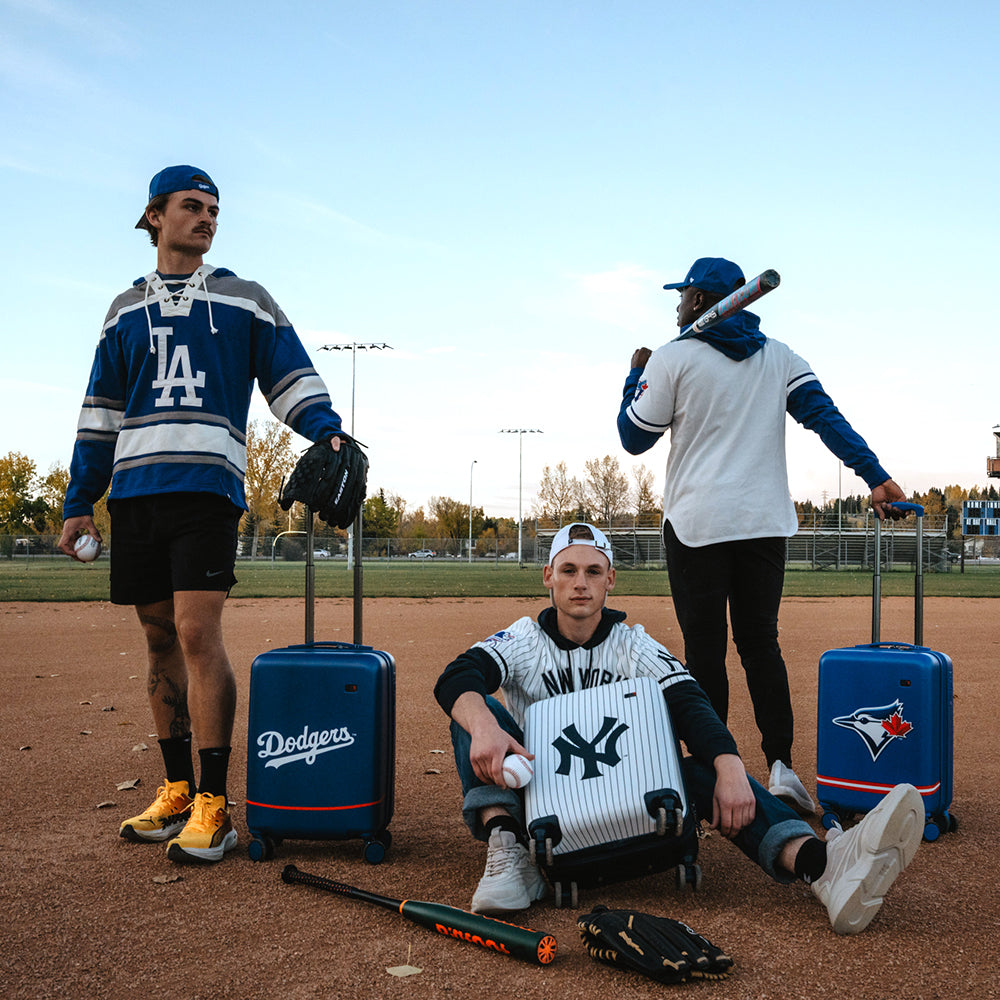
(877, 727)
(175, 373)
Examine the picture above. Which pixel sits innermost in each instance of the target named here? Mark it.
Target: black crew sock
(214, 770)
(177, 759)
(504, 822)
(810, 862)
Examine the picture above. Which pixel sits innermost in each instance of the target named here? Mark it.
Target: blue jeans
(746, 576)
(773, 826)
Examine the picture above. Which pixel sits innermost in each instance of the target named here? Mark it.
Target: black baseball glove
(331, 483)
(658, 947)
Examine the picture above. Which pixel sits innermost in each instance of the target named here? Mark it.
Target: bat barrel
(486, 932)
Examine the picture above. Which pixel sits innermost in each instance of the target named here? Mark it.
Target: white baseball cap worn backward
(597, 540)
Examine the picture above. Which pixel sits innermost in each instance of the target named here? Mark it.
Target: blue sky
(499, 189)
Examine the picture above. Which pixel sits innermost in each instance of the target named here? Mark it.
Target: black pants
(747, 575)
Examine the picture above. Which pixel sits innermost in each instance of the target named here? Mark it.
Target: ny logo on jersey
(176, 375)
(571, 744)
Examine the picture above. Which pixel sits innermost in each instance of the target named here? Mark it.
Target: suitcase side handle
(889, 645)
(330, 644)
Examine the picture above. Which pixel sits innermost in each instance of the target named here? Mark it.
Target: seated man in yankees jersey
(164, 421)
(849, 874)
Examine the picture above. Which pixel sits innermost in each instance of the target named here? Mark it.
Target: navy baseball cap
(181, 178)
(712, 274)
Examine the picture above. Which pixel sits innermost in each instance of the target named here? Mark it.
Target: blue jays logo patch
(877, 727)
(640, 389)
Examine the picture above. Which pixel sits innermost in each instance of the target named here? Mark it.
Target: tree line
(31, 502)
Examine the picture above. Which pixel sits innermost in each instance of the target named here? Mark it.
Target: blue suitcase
(321, 747)
(885, 717)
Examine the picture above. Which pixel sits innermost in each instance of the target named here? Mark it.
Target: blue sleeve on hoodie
(814, 409)
(634, 439)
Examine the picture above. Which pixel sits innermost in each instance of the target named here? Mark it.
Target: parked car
(321, 553)
(422, 554)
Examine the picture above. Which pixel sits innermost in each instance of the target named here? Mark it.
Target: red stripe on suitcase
(864, 786)
(360, 805)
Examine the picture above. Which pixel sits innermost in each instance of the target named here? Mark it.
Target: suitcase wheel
(942, 823)
(574, 896)
(539, 844)
(261, 848)
(375, 848)
(689, 874)
(830, 820)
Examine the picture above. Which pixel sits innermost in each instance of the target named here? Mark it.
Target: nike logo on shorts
(217, 572)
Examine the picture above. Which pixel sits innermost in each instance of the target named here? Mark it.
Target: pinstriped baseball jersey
(533, 667)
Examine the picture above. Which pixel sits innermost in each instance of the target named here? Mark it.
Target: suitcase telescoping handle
(918, 584)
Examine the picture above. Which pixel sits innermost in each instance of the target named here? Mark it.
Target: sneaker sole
(791, 799)
(134, 836)
(201, 855)
(898, 840)
(512, 905)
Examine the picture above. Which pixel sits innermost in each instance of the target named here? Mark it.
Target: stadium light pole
(520, 432)
(354, 539)
(471, 467)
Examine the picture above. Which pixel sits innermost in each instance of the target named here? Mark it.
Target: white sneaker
(863, 862)
(785, 785)
(511, 882)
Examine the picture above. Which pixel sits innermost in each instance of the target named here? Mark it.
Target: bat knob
(287, 872)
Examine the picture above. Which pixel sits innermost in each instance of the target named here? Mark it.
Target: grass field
(56, 579)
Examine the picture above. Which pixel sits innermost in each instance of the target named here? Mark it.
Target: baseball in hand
(517, 770)
(87, 548)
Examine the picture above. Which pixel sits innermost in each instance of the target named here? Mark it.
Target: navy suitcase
(885, 717)
(321, 747)
(607, 800)
(321, 743)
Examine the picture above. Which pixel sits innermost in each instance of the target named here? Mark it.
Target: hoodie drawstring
(156, 285)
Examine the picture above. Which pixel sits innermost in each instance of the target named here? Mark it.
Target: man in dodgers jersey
(164, 421)
(724, 394)
(578, 642)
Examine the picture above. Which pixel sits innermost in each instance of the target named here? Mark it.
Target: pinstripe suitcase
(607, 800)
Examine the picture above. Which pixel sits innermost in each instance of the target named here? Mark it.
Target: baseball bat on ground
(494, 935)
(765, 282)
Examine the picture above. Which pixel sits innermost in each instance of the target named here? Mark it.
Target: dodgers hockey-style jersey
(169, 392)
(532, 660)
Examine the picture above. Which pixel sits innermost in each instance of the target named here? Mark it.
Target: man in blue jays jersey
(164, 422)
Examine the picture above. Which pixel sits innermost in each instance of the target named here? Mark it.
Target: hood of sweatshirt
(738, 337)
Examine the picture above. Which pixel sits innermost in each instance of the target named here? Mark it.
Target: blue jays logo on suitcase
(877, 727)
(571, 744)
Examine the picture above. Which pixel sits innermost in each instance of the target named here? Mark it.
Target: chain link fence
(822, 542)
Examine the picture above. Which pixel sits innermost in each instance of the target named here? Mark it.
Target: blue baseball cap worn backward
(180, 178)
(712, 274)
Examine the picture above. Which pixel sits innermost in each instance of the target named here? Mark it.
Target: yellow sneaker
(207, 835)
(164, 818)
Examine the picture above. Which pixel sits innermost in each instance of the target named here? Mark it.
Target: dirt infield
(85, 918)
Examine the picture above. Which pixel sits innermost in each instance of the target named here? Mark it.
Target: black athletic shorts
(171, 541)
